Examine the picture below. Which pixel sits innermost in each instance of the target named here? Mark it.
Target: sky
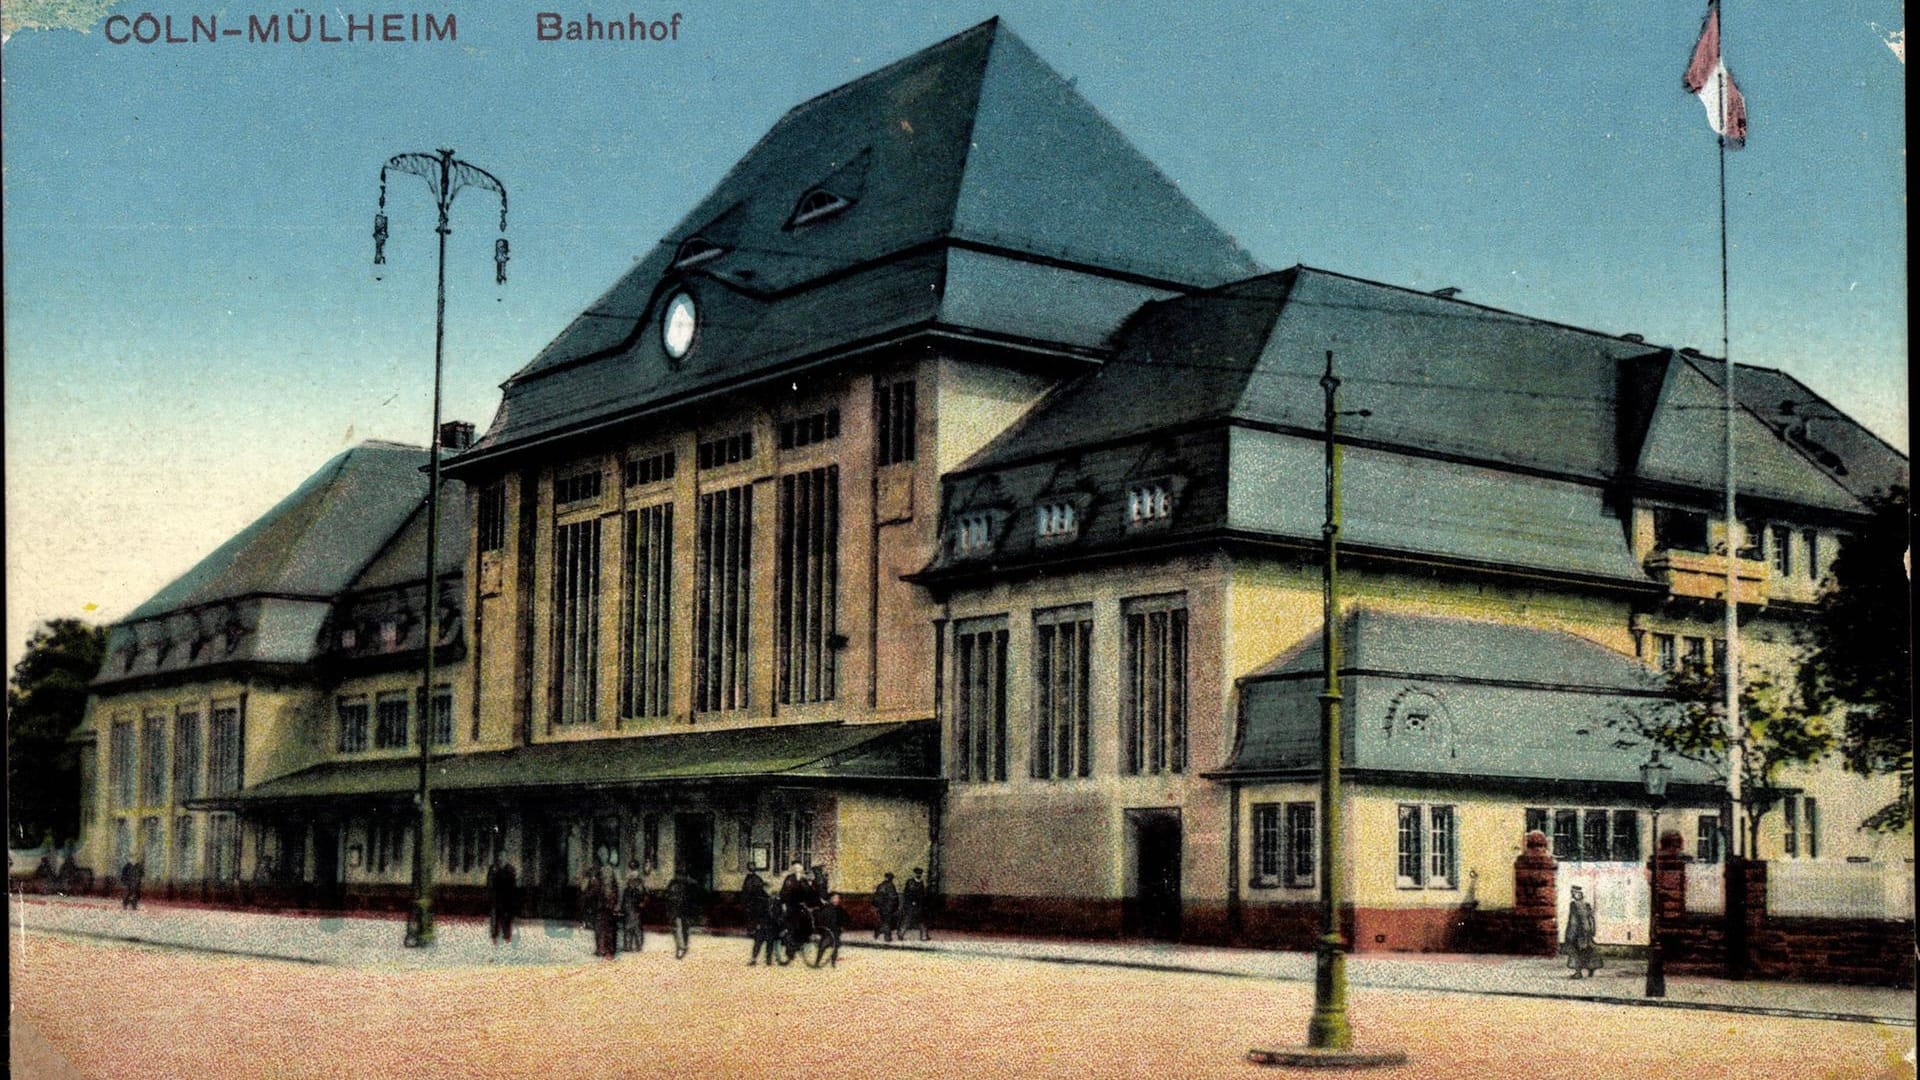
(194, 324)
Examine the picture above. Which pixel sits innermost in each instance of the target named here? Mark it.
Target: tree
(46, 699)
(1857, 658)
(1774, 733)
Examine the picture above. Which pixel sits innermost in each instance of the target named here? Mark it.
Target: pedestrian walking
(768, 930)
(503, 901)
(589, 896)
(683, 905)
(131, 876)
(606, 919)
(913, 905)
(753, 901)
(1579, 945)
(828, 921)
(797, 900)
(886, 904)
(633, 903)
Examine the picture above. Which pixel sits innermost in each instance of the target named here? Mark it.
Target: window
(679, 326)
(1706, 844)
(349, 638)
(650, 842)
(696, 250)
(894, 422)
(816, 204)
(576, 621)
(1790, 827)
(1566, 834)
(1268, 841)
(1593, 836)
(223, 844)
(183, 848)
(153, 856)
(469, 845)
(809, 430)
(1719, 654)
(1663, 652)
(723, 589)
(1148, 503)
(1811, 538)
(973, 533)
(1428, 848)
(491, 517)
(1782, 550)
(188, 763)
(1626, 836)
(385, 845)
(793, 840)
(120, 765)
(1300, 845)
(743, 845)
(225, 749)
(807, 585)
(153, 764)
(579, 487)
(442, 733)
(1062, 647)
(353, 725)
(1800, 827)
(390, 721)
(649, 610)
(1675, 529)
(980, 700)
(1154, 709)
(1411, 870)
(1813, 827)
(653, 469)
(1696, 652)
(726, 450)
(1753, 538)
(122, 844)
(1538, 821)
(1055, 521)
(390, 635)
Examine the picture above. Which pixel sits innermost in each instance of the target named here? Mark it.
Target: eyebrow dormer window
(816, 204)
(973, 534)
(696, 250)
(1148, 503)
(1055, 521)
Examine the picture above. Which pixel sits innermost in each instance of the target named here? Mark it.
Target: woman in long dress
(1579, 947)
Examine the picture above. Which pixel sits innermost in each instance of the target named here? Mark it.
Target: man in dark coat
(1581, 926)
(913, 905)
(753, 900)
(798, 898)
(683, 903)
(589, 896)
(767, 933)
(130, 876)
(606, 919)
(503, 900)
(633, 903)
(829, 919)
(886, 904)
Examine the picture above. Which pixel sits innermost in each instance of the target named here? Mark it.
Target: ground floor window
(122, 843)
(1706, 845)
(1283, 845)
(470, 845)
(1589, 834)
(152, 855)
(980, 700)
(1800, 822)
(793, 840)
(1427, 856)
(183, 841)
(223, 848)
(386, 846)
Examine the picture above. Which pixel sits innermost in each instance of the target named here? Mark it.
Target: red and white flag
(1709, 80)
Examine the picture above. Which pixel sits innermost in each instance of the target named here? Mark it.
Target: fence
(1619, 893)
(1707, 888)
(1813, 888)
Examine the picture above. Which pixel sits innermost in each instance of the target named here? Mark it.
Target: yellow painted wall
(875, 835)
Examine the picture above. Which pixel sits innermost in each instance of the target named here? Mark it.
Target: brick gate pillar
(1535, 903)
(1746, 913)
(1669, 868)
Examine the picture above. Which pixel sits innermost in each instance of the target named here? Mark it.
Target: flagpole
(1735, 754)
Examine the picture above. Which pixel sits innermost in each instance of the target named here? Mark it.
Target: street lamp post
(1329, 1037)
(446, 176)
(1653, 775)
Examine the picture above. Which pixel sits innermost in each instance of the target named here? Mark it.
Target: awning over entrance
(896, 754)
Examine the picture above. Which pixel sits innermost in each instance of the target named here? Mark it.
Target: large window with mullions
(980, 700)
(1062, 640)
(1154, 685)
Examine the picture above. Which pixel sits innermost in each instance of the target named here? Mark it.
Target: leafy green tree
(46, 698)
(1857, 659)
(1774, 733)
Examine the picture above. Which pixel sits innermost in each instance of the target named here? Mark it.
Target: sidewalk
(374, 943)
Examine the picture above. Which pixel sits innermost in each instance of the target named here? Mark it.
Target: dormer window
(1056, 521)
(973, 533)
(349, 638)
(1148, 503)
(696, 250)
(816, 204)
(390, 634)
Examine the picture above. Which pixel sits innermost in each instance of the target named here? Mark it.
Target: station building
(945, 490)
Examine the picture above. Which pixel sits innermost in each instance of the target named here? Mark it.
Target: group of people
(614, 910)
(802, 910)
(901, 909)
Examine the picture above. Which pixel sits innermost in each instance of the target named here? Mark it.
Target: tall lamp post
(1653, 776)
(1329, 1038)
(446, 176)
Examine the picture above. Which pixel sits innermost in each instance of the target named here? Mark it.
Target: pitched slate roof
(973, 142)
(1430, 695)
(899, 751)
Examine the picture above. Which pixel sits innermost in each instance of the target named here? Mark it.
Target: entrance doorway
(693, 848)
(1153, 910)
(327, 883)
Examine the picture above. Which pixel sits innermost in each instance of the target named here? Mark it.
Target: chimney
(456, 435)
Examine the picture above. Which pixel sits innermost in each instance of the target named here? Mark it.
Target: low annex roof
(895, 752)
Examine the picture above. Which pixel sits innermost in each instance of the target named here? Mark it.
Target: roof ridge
(991, 25)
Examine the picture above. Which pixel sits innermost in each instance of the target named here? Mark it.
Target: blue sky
(193, 322)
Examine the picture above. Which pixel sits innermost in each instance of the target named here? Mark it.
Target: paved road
(86, 1007)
